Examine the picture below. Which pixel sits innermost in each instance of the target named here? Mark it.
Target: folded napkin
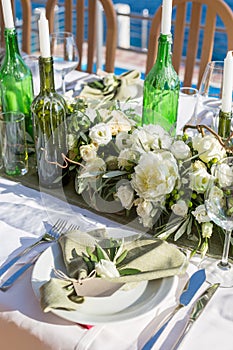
(109, 86)
(148, 257)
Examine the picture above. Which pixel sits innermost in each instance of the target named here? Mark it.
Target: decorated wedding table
(129, 209)
(28, 209)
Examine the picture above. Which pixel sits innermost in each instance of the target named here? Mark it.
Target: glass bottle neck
(46, 75)
(11, 42)
(164, 50)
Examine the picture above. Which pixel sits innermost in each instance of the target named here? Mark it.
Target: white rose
(180, 208)
(89, 174)
(119, 122)
(224, 174)
(208, 148)
(199, 180)
(155, 175)
(88, 152)
(94, 165)
(126, 195)
(123, 140)
(104, 113)
(207, 229)
(162, 138)
(106, 268)
(100, 134)
(91, 114)
(180, 150)
(145, 211)
(200, 214)
(216, 194)
(142, 141)
(127, 158)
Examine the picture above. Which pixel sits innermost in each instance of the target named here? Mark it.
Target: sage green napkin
(153, 258)
(109, 86)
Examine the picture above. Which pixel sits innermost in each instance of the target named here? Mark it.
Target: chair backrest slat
(179, 36)
(192, 43)
(111, 29)
(214, 9)
(208, 41)
(26, 25)
(91, 34)
(80, 8)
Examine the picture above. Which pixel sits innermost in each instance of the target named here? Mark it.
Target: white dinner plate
(146, 296)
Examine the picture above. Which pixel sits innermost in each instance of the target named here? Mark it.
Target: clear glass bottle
(161, 89)
(16, 81)
(50, 129)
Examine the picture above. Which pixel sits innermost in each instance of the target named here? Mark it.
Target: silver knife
(196, 311)
(194, 283)
(10, 281)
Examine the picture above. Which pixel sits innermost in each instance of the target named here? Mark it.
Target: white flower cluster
(158, 171)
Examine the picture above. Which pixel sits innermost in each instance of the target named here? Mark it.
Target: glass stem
(224, 260)
(63, 84)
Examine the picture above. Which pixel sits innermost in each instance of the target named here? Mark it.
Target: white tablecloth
(24, 214)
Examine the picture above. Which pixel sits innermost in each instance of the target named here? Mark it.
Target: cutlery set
(51, 236)
(190, 289)
(186, 297)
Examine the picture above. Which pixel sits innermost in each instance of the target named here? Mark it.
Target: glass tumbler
(13, 146)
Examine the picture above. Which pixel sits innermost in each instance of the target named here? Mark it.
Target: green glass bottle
(49, 112)
(16, 81)
(224, 124)
(161, 89)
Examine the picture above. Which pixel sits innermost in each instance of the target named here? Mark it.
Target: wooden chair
(214, 9)
(111, 29)
(26, 25)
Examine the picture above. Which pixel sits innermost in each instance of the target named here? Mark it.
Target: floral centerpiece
(125, 166)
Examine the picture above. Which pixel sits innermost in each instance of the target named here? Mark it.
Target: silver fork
(50, 236)
(12, 278)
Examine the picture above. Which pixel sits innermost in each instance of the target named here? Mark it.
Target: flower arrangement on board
(124, 166)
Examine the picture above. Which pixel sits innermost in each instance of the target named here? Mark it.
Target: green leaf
(114, 173)
(90, 174)
(121, 257)
(99, 253)
(181, 230)
(92, 256)
(129, 271)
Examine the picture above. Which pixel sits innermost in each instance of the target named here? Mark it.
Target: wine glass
(219, 206)
(210, 94)
(65, 54)
(186, 108)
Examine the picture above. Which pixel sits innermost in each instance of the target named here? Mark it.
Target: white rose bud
(119, 122)
(208, 148)
(180, 150)
(200, 214)
(123, 140)
(88, 152)
(126, 195)
(180, 208)
(106, 268)
(100, 134)
(145, 212)
(207, 229)
(199, 180)
(225, 175)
